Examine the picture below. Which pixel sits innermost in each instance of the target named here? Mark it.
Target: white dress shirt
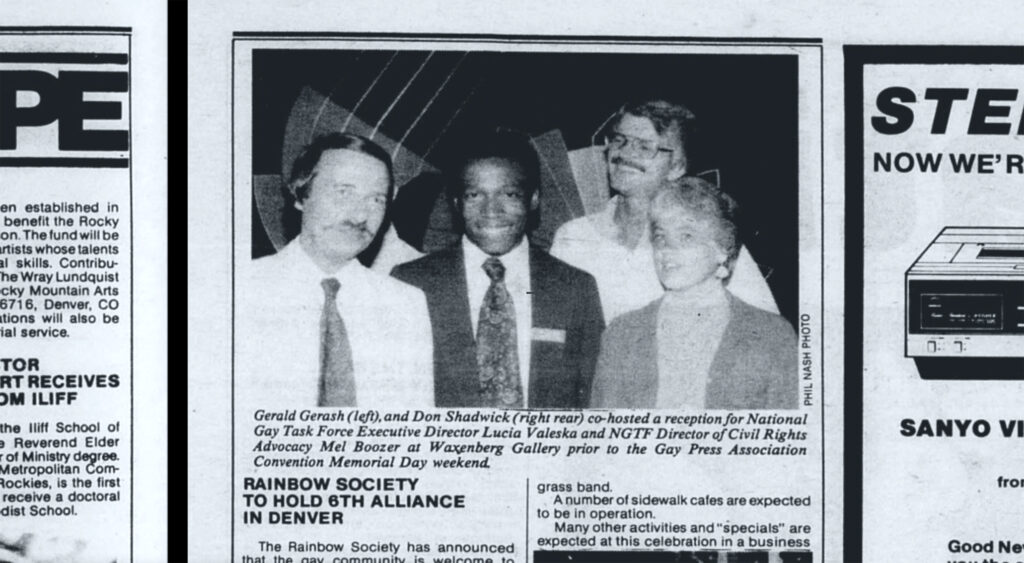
(277, 360)
(393, 251)
(517, 282)
(626, 278)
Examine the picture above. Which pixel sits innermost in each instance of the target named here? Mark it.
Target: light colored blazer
(755, 366)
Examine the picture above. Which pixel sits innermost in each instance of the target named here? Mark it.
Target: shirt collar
(607, 228)
(517, 259)
(306, 270)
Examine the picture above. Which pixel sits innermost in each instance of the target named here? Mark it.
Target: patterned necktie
(337, 378)
(496, 353)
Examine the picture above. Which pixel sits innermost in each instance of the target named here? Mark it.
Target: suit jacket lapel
(544, 303)
(458, 343)
(645, 392)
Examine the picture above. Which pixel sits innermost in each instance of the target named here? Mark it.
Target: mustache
(630, 163)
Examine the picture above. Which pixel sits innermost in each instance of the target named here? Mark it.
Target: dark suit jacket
(755, 366)
(565, 302)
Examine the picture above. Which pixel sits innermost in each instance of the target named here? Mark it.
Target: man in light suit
(317, 328)
(513, 327)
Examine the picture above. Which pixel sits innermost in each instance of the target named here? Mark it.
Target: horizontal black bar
(934, 54)
(540, 38)
(64, 29)
(66, 58)
(62, 162)
(970, 369)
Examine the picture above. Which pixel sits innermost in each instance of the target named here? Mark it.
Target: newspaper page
(81, 479)
(591, 284)
(559, 459)
(936, 169)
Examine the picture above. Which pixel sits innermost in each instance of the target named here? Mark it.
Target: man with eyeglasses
(645, 148)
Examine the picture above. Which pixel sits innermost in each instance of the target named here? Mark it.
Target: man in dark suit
(513, 327)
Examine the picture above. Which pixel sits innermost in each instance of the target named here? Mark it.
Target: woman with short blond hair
(698, 346)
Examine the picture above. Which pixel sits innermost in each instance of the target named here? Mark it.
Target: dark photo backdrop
(428, 102)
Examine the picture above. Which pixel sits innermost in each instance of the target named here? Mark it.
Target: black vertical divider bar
(853, 446)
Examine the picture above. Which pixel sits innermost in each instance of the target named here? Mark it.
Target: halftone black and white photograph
(424, 107)
(558, 228)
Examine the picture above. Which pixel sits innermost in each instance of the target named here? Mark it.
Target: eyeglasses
(645, 148)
